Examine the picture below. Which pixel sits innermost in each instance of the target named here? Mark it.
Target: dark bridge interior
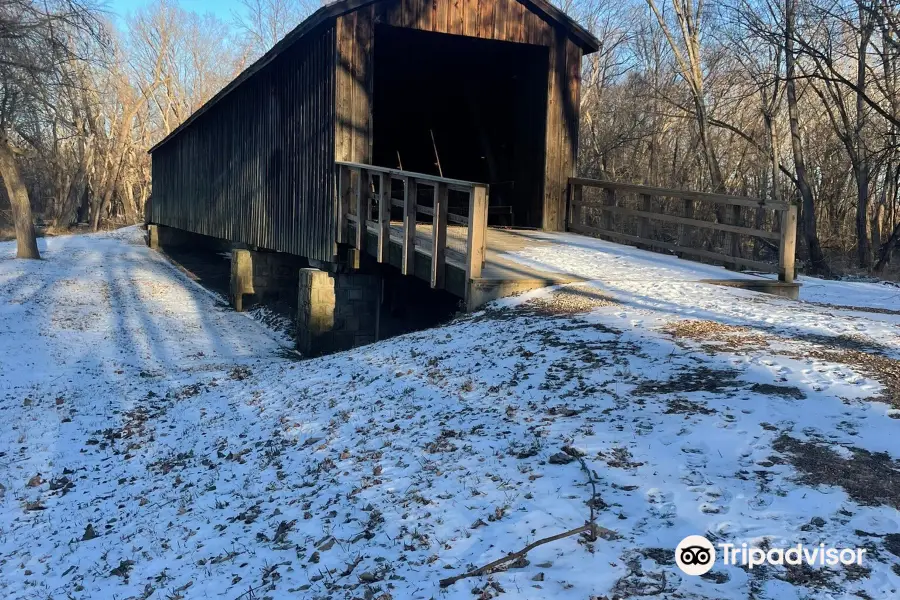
(477, 106)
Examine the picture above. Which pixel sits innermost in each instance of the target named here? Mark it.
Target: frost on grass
(161, 446)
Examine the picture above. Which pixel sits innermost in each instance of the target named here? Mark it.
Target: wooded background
(792, 100)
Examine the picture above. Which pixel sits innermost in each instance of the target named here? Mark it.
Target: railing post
(607, 214)
(576, 210)
(362, 192)
(684, 232)
(475, 244)
(646, 206)
(735, 237)
(384, 217)
(787, 247)
(439, 235)
(344, 195)
(408, 261)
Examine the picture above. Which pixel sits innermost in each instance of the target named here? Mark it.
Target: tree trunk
(863, 171)
(26, 242)
(816, 258)
(863, 247)
(887, 249)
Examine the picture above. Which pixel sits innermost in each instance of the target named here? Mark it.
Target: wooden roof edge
(586, 40)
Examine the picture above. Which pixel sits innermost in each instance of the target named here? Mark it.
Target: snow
(210, 463)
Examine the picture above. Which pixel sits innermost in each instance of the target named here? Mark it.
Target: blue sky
(221, 8)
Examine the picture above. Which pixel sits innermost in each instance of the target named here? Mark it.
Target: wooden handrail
(475, 221)
(686, 194)
(609, 205)
(459, 184)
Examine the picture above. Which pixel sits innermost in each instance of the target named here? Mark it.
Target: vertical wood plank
(501, 16)
(410, 192)
(576, 209)
(394, 13)
(457, 16)
(610, 200)
(477, 235)
(470, 22)
(735, 218)
(344, 199)
(362, 194)
(788, 244)
(439, 236)
(384, 217)
(426, 14)
(684, 231)
(646, 206)
(441, 12)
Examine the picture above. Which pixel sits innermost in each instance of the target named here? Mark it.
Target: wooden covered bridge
(430, 137)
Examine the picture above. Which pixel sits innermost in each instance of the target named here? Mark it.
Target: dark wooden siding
(505, 20)
(257, 167)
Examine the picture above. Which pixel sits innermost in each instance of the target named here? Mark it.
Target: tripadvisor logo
(695, 555)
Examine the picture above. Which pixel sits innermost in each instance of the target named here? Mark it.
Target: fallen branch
(590, 528)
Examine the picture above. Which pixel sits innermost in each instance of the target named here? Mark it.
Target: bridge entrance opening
(464, 108)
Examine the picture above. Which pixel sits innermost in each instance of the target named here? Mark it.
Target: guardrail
(366, 201)
(600, 218)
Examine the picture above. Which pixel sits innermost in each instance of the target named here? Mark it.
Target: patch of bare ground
(869, 478)
(570, 300)
(862, 354)
(853, 342)
(868, 309)
(882, 369)
(785, 391)
(700, 379)
(683, 406)
(716, 337)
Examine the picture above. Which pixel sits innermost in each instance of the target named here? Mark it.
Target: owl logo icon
(695, 555)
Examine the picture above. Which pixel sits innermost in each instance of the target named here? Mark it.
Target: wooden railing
(365, 200)
(606, 216)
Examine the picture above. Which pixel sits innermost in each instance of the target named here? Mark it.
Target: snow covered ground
(155, 444)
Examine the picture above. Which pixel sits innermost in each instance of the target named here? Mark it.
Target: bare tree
(263, 23)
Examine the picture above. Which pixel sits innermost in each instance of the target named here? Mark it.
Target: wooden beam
(384, 217)
(654, 216)
(787, 249)
(362, 193)
(725, 258)
(475, 244)
(460, 184)
(669, 193)
(439, 236)
(410, 190)
(345, 192)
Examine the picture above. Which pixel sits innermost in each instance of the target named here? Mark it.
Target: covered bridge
(465, 110)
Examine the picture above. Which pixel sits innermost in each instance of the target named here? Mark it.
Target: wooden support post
(787, 249)
(475, 244)
(646, 206)
(439, 235)
(735, 219)
(576, 209)
(684, 231)
(370, 192)
(344, 195)
(384, 217)
(408, 261)
(610, 200)
(362, 192)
